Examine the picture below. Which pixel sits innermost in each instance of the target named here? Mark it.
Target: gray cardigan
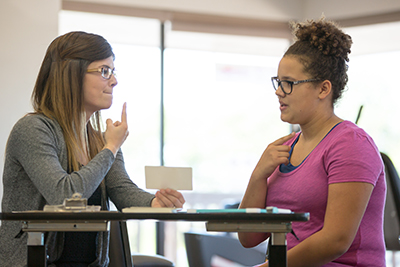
(35, 174)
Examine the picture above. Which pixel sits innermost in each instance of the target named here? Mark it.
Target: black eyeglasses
(287, 86)
(106, 72)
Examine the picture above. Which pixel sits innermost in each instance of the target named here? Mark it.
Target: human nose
(113, 80)
(279, 91)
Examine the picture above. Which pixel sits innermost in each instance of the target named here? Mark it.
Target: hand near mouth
(116, 132)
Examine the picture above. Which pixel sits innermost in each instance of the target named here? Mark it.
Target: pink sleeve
(353, 158)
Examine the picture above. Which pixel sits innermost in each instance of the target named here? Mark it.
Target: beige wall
(27, 27)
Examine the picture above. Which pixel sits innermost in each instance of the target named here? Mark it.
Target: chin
(107, 106)
(284, 119)
(287, 120)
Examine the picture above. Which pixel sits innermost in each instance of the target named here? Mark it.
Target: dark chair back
(120, 252)
(392, 205)
(200, 249)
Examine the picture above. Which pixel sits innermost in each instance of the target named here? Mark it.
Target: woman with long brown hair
(60, 149)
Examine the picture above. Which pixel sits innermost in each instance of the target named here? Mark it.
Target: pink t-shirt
(346, 154)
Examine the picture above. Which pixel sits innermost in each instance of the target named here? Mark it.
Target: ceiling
(350, 12)
(261, 18)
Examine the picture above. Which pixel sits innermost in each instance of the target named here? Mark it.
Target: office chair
(392, 206)
(201, 248)
(120, 252)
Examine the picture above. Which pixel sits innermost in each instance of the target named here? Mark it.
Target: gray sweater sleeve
(36, 146)
(120, 188)
(35, 173)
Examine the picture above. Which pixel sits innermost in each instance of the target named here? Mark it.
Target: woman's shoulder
(348, 131)
(348, 135)
(33, 119)
(34, 123)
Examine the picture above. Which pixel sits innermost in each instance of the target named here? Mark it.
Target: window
(219, 104)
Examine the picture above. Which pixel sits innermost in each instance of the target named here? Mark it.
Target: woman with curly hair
(60, 149)
(331, 168)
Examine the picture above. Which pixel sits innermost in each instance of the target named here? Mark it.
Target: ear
(325, 89)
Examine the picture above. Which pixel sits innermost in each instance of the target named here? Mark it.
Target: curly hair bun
(324, 35)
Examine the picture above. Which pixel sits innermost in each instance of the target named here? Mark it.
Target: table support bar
(277, 256)
(35, 239)
(278, 239)
(37, 250)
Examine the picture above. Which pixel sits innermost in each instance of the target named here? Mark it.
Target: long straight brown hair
(58, 92)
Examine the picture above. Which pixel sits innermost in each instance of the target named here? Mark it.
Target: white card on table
(161, 177)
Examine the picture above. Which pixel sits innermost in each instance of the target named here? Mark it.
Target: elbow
(340, 246)
(244, 241)
(246, 244)
(249, 240)
(339, 251)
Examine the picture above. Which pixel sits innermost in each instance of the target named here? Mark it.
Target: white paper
(161, 177)
(150, 210)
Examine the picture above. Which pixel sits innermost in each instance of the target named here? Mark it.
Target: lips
(282, 106)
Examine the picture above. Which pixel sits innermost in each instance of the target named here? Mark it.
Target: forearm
(319, 249)
(316, 250)
(254, 197)
(122, 191)
(255, 194)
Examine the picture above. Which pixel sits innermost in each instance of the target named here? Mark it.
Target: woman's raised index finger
(123, 115)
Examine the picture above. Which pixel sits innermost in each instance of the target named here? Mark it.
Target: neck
(319, 127)
(87, 116)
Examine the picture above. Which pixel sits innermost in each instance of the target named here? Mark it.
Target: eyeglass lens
(106, 72)
(285, 86)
